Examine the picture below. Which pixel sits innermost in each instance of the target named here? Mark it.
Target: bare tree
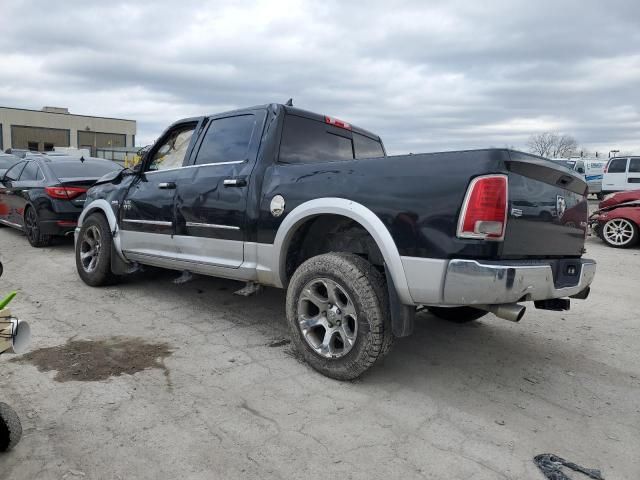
(552, 144)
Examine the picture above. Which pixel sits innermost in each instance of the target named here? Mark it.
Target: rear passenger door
(8, 202)
(211, 203)
(30, 178)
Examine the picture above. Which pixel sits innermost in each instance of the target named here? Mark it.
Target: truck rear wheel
(337, 310)
(10, 428)
(457, 314)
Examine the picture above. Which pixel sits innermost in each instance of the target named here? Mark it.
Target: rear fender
(347, 208)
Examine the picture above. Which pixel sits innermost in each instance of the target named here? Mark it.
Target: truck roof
(291, 110)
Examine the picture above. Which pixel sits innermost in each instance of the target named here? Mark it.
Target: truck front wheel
(337, 309)
(93, 252)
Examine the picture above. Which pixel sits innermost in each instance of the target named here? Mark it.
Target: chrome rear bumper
(469, 282)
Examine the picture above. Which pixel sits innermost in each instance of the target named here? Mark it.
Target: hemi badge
(516, 212)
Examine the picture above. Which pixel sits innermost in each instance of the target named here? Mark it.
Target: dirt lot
(151, 380)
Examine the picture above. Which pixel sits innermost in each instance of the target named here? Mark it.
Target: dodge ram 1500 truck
(277, 196)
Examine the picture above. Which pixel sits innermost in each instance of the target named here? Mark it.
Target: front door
(211, 205)
(147, 212)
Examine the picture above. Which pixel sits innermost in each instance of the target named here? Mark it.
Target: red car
(617, 220)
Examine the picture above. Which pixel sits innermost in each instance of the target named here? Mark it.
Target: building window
(33, 146)
(48, 147)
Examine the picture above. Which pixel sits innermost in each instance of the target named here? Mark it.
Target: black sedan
(44, 196)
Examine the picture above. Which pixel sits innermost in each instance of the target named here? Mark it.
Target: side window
(31, 173)
(617, 165)
(367, 147)
(306, 141)
(172, 152)
(14, 172)
(227, 140)
(634, 165)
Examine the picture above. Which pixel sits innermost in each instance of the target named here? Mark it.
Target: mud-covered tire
(457, 314)
(33, 230)
(95, 229)
(10, 428)
(366, 292)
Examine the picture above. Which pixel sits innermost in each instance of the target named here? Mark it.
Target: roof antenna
(289, 102)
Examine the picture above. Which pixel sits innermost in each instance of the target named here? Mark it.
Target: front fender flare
(103, 207)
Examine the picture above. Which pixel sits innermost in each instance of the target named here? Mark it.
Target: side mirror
(137, 168)
(580, 170)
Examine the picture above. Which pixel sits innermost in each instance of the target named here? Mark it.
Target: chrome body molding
(357, 212)
(470, 282)
(147, 222)
(152, 172)
(212, 225)
(7, 222)
(249, 270)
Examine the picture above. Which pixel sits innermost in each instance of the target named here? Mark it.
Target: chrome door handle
(235, 182)
(167, 185)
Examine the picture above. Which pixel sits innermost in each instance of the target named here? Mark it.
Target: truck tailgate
(547, 212)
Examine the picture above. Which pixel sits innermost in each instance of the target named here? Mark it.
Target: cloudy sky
(425, 75)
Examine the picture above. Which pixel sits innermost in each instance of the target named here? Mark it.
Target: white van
(592, 169)
(621, 173)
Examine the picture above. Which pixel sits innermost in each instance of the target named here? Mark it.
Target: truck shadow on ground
(490, 352)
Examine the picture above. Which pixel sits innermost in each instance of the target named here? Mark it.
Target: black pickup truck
(277, 196)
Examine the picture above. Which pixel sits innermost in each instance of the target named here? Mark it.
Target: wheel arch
(358, 213)
(103, 207)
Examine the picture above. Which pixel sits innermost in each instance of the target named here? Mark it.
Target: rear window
(86, 169)
(617, 165)
(367, 147)
(227, 140)
(308, 141)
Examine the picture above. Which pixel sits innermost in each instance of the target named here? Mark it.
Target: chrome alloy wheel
(327, 318)
(618, 231)
(90, 248)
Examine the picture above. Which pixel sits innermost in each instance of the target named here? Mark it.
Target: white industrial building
(42, 130)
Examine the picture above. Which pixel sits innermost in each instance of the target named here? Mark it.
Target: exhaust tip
(509, 311)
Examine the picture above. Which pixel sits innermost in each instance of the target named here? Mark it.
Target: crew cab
(277, 196)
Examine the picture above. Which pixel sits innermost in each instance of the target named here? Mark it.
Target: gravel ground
(152, 380)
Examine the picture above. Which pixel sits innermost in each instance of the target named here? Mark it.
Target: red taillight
(64, 193)
(484, 212)
(337, 123)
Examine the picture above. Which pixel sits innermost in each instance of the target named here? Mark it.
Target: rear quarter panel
(417, 197)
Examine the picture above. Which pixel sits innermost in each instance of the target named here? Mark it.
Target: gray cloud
(426, 76)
